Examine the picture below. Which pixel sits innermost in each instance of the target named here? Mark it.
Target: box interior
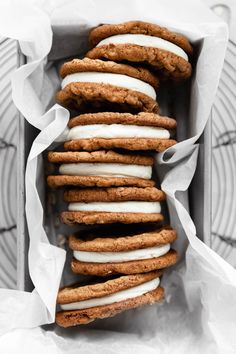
(174, 101)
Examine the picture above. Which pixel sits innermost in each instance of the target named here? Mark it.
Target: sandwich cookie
(108, 130)
(88, 85)
(106, 298)
(143, 43)
(128, 254)
(113, 205)
(100, 169)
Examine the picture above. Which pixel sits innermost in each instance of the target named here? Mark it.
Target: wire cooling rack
(224, 161)
(8, 138)
(223, 236)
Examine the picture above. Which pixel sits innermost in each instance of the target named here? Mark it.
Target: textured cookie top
(110, 243)
(99, 156)
(139, 27)
(102, 288)
(93, 217)
(97, 181)
(141, 119)
(96, 65)
(133, 144)
(116, 194)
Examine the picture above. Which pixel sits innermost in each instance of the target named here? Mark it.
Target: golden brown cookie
(141, 119)
(105, 241)
(99, 156)
(117, 194)
(165, 61)
(93, 217)
(95, 97)
(97, 181)
(134, 144)
(67, 318)
(130, 267)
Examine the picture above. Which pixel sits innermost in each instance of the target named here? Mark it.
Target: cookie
(97, 181)
(101, 169)
(108, 130)
(123, 240)
(135, 144)
(143, 43)
(140, 119)
(100, 156)
(117, 194)
(84, 304)
(95, 97)
(92, 217)
(93, 85)
(128, 267)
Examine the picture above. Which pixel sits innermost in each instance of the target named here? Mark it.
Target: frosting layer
(114, 131)
(117, 207)
(113, 257)
(106, 170)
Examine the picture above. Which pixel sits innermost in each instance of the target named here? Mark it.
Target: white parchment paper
(200, 309)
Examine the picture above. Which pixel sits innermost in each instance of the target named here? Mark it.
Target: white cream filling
(119, 80)
(125, 256)
(106, 170)
(116, 297)
(115, 131)
(117, 207)
(145, 41)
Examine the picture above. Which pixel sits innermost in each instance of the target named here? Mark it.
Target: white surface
(118, 80)
(145, 41)
(110, 257)
(200, 313)
(103, 169)
(116, 297)
(117, 207)
(116, 131)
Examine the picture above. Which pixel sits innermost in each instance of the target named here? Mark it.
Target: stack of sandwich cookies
(101, 169)
(107, 177)
(143, 43)
(113, 205)
(84, 304)
(96, 85)
(109, 130)
(137, 252)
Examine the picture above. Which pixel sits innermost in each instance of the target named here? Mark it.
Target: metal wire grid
(8, 139)
(224, 161)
